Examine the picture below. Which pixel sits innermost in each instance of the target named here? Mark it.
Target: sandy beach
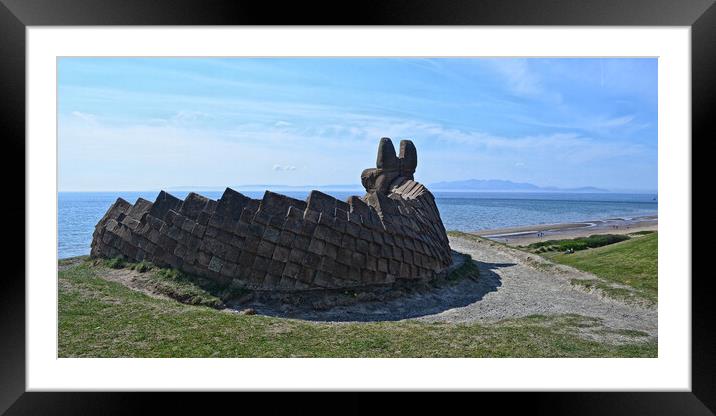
(529, 234)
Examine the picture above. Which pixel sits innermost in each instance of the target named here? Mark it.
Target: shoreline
(528, 234)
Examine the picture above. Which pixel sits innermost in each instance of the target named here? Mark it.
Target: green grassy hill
(632, 263)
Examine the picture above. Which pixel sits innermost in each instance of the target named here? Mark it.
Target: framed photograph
(443, 197)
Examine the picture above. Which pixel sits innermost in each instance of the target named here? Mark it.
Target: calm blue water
(465, 211)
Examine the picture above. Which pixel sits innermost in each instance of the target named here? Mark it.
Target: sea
(78, 212)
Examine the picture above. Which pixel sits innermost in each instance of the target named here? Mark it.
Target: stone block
(307, 229)
(366, 234)
(247, 215)
(311, 216)
(232, 254)
(215, 264)
(271, 281)
(272, 234)
(362, 246)
(256, 230)
(286, 283)
(318, 201)
(348, 243)
(229, 270)
(353, 274)
(353, 229)
(246, 259)
(278, 205)
(211, 232)
(293, 225)
(266, 249)
(251, 244)
(311, 260)
(292, 270)
(371, 263)
(306, 275)
(328, 265)
(237, 241)
(301, 242)
(281, 254)
(193, 205)
(407, 256)
(261, 263)
(357, 259)
(316, 246)
(262, 217)
(345, 256)
(277, 221)
(341, 270)
(256, 278)
(286, 238)
(231, 204)
(216, 221)
(276, 267)
(296, 255)
(374, 249)
(203, 218)
(330, 251)
(393, 267)
(323, 279)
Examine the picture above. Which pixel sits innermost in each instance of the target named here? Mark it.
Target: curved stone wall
(392, 233)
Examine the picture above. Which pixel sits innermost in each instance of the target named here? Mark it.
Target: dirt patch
(133, 280)
(64, 264)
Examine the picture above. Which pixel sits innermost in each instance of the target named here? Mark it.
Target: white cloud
(522, 81)
(284, 168)
(189, 117)
(86, 117)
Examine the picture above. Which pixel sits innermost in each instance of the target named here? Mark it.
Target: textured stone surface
(393, 233)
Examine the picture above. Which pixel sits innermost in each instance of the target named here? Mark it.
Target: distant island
(498, 185)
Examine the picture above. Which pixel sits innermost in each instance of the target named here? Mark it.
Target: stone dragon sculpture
(393, 233)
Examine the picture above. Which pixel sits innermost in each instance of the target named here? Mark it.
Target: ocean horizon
(79, 212)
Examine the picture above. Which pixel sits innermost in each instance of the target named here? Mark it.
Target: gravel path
(516, 283)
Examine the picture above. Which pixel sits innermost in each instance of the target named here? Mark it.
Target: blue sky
(151, 123)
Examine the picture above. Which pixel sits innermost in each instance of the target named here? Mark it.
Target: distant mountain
(498, 185)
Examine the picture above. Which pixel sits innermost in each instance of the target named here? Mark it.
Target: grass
(467, 269)
(631, 263)
(577, 244)
(644, 232)
(101, 318)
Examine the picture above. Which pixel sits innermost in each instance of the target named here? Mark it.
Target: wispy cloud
(284, 168)
(522, 81)
(86, 117)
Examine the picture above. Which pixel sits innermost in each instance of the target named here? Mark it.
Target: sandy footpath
(525, 284)
(531, 233)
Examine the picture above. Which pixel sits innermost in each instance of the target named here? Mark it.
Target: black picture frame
(16, 15)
